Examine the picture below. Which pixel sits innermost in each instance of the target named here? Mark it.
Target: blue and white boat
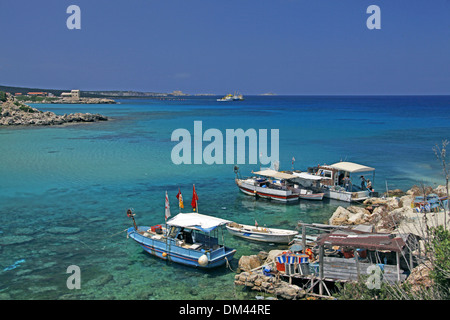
(188, 238)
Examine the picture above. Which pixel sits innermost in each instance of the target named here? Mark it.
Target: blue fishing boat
(188, 238)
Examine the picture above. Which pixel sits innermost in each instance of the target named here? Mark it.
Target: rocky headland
(59, 100)
(20, 114)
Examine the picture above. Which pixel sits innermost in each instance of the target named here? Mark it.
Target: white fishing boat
(280, 186)
(270, 184)
(262, 234)
(336, 181)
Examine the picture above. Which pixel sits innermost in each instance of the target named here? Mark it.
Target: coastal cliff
(18, 114)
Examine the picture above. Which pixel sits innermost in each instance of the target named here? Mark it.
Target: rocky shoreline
(393, 214)
(19, 114)
(74, 101)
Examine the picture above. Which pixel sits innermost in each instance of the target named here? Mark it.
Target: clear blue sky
(219, 46)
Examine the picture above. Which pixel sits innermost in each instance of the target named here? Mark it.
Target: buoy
(203, 260)
(164, 254)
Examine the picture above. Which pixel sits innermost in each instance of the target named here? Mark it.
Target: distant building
(73, 94)
(18, 94)
(37, 94)
(178, 93)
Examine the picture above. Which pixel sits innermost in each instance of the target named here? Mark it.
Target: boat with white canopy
(270, 184)
(336, 181)
(188, 238)
(277, 186)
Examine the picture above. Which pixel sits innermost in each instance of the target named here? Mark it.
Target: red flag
(180, 199)
(194, 199)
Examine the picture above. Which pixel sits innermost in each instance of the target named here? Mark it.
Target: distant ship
(238, 97)
(228, 97)
(232, 97)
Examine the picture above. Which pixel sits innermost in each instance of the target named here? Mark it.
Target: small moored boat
(310, 195)
(188, 238)
(262, 234)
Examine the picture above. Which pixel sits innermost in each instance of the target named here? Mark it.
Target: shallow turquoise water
(84, 177)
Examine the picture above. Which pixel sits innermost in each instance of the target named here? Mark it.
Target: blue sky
(212, 46)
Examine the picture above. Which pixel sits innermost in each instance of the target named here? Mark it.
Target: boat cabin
(188, 238)
(342, 175)
(275, 179)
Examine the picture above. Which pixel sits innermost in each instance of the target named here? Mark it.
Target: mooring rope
(228, 265)
(117, 233)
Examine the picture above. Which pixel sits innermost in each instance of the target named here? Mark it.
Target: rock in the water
(248, 263)
(10, 240)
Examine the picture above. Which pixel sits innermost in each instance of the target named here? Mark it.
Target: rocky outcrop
(17, 114)
(247, 263)
(420, 279)
(251, 276)
(85, 101)
(269, 284)
(383, 214)
(389, 214)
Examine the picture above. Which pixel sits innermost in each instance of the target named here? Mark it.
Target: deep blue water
(83, 177)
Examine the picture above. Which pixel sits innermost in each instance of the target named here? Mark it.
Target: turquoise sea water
(64, 190)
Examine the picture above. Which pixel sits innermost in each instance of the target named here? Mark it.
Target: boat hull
(346, 196)
(247, 232)
(267, 193)
(314, 196)
(171, 251)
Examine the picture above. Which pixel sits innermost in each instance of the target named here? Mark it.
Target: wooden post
(304, 237)
(321, 269)
(356, 255)
(411, 261)
(397, 254)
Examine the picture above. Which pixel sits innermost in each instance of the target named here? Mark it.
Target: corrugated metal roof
(371, 241)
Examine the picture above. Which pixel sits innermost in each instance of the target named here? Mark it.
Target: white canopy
(351, 167)
(275, 174)
(196, 221)
(307, 176)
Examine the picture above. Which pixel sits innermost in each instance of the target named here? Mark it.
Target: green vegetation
(361, 291)
(440, 274)
(26, 109)
(2, 96)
